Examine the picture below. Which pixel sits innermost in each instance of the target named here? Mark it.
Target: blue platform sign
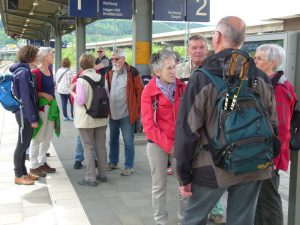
(198, 10)
(169, 10)
(115, 9)
(64, 44)
(83, 8)
(37, 43)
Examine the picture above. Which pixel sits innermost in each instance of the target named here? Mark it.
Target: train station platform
(58, 199)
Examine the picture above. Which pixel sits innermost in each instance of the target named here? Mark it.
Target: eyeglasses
(100, 51)
(258, 58)
(115, 59)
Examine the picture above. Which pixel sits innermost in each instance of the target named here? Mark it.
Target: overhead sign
(198, 10)
(115, 9)
(169, 10)
(64, 44)
(83, 8)
(37, 43)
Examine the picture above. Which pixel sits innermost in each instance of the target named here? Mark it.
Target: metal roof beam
(51, 21)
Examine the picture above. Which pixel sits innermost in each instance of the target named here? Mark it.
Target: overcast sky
(253, 10)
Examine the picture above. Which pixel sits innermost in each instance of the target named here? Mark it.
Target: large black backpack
(100, 102)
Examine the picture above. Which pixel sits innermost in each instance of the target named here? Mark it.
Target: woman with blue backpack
(27, 116)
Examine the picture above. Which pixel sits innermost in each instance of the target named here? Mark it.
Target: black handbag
(295, 131)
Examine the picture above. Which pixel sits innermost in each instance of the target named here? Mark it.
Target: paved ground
(58, 199)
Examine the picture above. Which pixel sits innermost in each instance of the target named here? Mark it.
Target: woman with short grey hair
(47, 104)
(159, 110)
(269, 58)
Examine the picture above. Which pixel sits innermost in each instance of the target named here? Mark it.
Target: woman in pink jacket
(159, 109)
(269, 58)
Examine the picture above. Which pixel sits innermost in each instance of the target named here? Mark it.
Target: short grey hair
(43, 52)
(119, 52)
(273, 52)
(198, 38)
(158, 59)
(231, 32)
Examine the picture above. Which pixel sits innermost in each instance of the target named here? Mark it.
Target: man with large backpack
(211, 156)
(27, 116)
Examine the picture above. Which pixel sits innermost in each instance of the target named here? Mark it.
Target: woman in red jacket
(269, 58)
(159, 109)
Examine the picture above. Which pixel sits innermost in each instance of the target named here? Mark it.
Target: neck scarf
(167, 89)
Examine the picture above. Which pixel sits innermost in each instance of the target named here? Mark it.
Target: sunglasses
(100, 51)
(115, 59)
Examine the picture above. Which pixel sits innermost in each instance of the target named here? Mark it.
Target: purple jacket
(24, 88)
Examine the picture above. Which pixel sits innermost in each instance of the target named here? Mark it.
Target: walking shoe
(102, 179)
(33, 177)
(47, 154)
(27, 157)
(38, 172)
(217, 219)
(84, 182)
(47, 169)
(66, 119)
(126, 171)
(112, 166)
(77, 165)
(24, 180)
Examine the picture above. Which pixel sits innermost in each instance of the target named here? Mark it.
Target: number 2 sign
(198, 10)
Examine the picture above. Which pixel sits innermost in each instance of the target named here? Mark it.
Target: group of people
(178, 113)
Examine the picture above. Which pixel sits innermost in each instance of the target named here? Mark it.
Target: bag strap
(62, 75)
(218, 82)
(38, 76)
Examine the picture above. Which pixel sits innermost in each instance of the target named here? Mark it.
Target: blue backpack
(243, 136)
(7, 99)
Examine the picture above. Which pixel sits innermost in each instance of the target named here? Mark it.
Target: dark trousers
(20, 151)
(269, 206)
(64, 102)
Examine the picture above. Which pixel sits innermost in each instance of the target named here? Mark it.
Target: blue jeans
(241, 203)
(64, 102)
(128, 138)
(78, 150)
(79, 155)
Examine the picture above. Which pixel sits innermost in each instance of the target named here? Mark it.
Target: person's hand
(49, 97)
(34, 125)
(73, 86)
(186, 191)
(172, 152)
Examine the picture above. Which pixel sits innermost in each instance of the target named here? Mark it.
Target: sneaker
(77, 165)
(38, 172)
(217, 219)
(66, 119)
(126, 172)
(47, 169)
(24, 180)
(170, 171)
(112, 166)
(96, 163)
(33, 177)
(102, 179)
(87, 183)
(47, 154)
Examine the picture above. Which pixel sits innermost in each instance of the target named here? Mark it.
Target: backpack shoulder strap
(38, 76)
(92, 82)
(217, 81)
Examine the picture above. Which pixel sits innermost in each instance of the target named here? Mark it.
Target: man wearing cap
(102, 61)
(125, 89)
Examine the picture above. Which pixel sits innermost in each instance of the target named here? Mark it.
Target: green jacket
(53, 115)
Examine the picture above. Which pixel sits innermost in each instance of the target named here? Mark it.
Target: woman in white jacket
(92, 131)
